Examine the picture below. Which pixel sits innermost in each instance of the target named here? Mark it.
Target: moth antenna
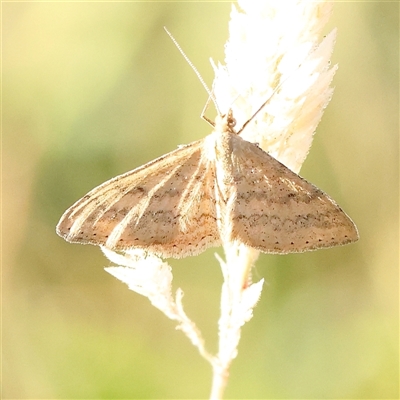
(210, 93)
(278, 87)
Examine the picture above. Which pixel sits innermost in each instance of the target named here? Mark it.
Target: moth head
(225, 123)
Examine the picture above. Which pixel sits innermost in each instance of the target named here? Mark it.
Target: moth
(212, 191)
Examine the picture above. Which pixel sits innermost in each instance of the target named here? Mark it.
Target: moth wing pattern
(165, 206)
(277, 211)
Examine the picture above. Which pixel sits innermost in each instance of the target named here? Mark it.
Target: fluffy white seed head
(274, 54)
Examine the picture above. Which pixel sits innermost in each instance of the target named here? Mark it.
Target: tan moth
(212, 191)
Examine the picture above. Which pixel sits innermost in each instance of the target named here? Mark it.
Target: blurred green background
(91, 90)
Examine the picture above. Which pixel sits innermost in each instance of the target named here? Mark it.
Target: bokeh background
(91, 90)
